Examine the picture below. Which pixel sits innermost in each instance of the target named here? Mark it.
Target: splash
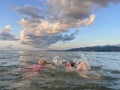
(57, 60)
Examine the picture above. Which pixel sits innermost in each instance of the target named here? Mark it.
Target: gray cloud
(103, 3)
(75, 9)
(5, 34)
(44, 28)
(29, 11)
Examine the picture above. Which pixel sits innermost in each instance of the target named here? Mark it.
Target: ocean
(106, 64)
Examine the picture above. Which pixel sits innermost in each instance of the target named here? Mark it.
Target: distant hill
(106, 48)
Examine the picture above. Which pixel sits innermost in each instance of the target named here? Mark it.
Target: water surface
(104, 63)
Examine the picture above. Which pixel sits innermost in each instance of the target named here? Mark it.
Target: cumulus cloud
(45, 33)
(5, 34)
(42, 34)
(58, 18)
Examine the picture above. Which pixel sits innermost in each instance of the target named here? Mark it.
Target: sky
(58, 24)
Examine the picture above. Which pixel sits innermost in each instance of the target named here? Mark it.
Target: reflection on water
(12, 78)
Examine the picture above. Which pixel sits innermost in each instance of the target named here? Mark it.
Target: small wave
(9, 76)
(8, 68)
(96, 67)
(104, 77)
(115, 72)
(3, 58)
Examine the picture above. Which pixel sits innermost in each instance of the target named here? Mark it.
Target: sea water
(106, 64)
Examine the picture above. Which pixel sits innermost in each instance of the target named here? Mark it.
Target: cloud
(75, 9)
(29, 11)
(46, 40)
(44, 33)
(46, 27)
(5, 34)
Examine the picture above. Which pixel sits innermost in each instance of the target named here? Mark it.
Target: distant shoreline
(106, 48)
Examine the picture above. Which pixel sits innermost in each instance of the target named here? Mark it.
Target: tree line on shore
(106, 48)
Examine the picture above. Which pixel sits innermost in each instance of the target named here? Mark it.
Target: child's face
(68, 64)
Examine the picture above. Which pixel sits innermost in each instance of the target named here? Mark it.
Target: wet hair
(72, 63)
(42, 61)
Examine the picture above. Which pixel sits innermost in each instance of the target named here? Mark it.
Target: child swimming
(37, 67)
